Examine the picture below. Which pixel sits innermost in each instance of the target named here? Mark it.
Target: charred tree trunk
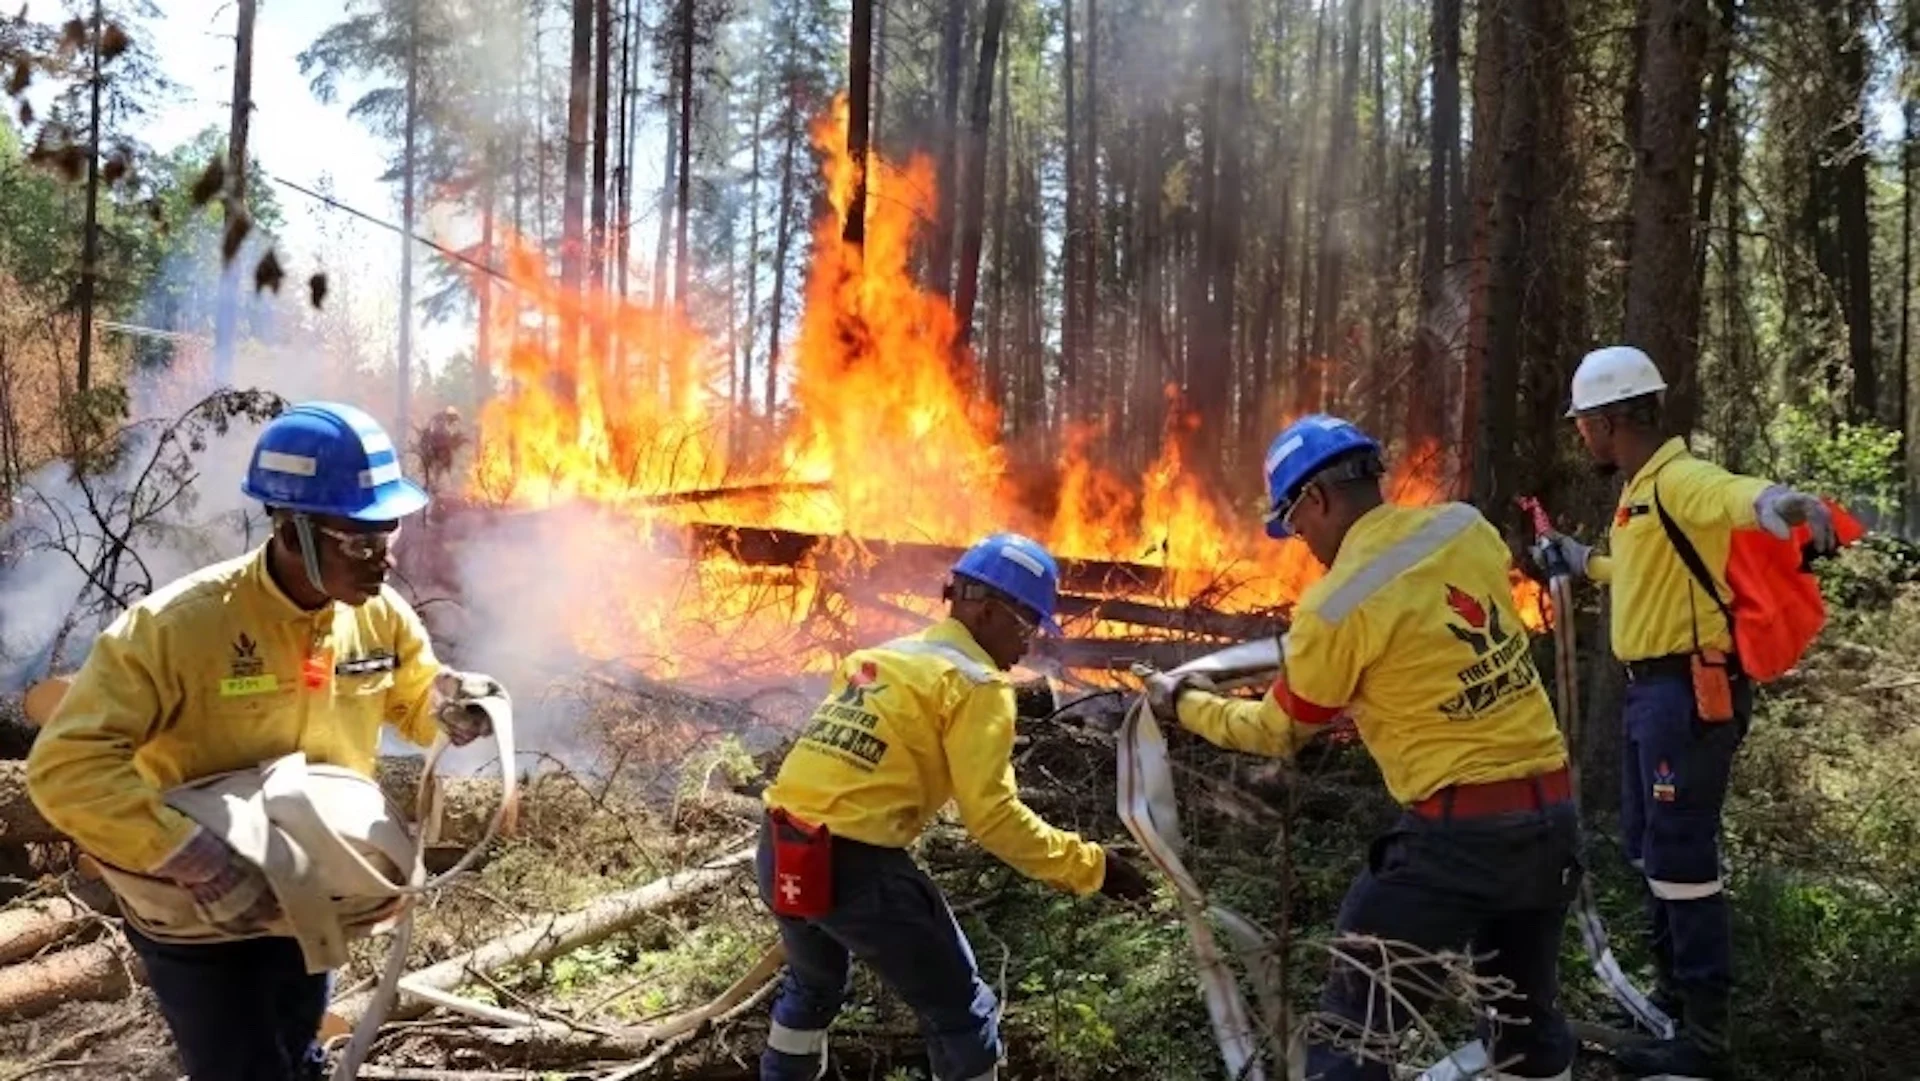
(1090, 213)
(680, 375)
(1663, 307)
(1070, 348)
(663, 242)
(226, 312)
(1002, 174)
(1334, 234)
(90, 243)
(860, 68)
(973, 188)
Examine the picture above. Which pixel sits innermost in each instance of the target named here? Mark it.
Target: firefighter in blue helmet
(905, 727)
(1413, 633)
(299, 645)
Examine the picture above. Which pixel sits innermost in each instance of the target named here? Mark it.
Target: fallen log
(29, 928)
(556, 935)
(94, 972)
(1120, 654)
(1190, 620)
(466, 802)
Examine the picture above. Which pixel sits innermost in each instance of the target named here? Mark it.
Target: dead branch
(53, 1056)
(556, 935)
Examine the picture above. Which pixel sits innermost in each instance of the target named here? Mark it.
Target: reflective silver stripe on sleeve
(1397, 560)
(967, 666)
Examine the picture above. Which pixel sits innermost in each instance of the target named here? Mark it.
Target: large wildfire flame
(884, 442)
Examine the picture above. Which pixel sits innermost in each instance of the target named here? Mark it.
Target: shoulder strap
(1396, 560)
(1690, 556)
(965, 665)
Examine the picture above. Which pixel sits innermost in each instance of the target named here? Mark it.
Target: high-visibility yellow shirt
(215, 672)
(1659, 608)
(1414, 634)
(907, 726)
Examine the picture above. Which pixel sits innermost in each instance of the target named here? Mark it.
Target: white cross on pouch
(790, 887)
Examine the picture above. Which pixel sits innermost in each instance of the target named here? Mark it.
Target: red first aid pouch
(802, 867)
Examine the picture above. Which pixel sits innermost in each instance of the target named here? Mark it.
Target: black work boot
(1698, 1051)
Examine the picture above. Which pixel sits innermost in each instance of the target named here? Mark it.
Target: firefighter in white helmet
(299, 645)
(1687, 700)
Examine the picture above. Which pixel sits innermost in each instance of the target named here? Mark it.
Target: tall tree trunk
(952, 30)
(483, 287)
(782, 232)
(90, 250)
(1909, 136)
(859, 96)
(745, 400)
(1069, 243)
(1091, 215)
(680, 378)
(629, 139)
(1663, 308)
(1002, 173)
(1228, 197)
(1856, 238)
(602, 119)
(663, 247)
(404, 420)
(973, 210)
(1379, 356)
(1427, 398)
(1491, 45)
(573, 210)
(1328, 339)
(226, 312)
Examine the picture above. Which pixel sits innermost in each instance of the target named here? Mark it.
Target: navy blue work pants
(1674, 774)
(238, 1011)
(891, 916)
(1498, 887)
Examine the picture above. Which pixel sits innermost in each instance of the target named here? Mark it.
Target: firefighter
(905, 727)
(1413, 633)
(299, 645)
(1687, 703)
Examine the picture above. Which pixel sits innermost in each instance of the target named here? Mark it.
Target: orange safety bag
(1777, 609)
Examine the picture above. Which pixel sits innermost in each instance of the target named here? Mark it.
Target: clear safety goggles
(362, 547)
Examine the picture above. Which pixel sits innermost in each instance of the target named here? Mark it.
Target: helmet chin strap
(309, 552)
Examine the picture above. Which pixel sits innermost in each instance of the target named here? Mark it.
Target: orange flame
(886, 433)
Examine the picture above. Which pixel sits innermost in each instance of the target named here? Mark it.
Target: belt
(1520, 794)
(1673, 665)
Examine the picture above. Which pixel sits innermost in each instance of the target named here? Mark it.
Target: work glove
(1164, 690)
(232, 893)
(1575, 553)
(1124, 881)
(1780, 508)
(458, 710)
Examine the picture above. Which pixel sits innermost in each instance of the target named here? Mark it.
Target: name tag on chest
(366, 666)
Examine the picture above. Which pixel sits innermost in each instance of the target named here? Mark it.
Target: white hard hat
(1613, 374)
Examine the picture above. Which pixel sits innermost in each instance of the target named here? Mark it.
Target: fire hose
(1566, 684)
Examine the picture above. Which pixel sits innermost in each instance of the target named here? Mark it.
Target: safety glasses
(1283, 512)
(362, 547)
(1029, 625)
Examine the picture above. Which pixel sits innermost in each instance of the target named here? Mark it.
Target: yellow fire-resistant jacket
(1413, 632)
(1659, 609)
(219, 671)
(905, 727)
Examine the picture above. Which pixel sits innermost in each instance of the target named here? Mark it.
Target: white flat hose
(500, 712)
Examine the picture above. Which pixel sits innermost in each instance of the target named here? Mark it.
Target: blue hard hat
(328, 458)
(1018, 567)
(1307, 446)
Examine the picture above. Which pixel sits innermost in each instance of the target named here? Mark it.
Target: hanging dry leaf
(317, 289)
(116, 167)
(26, 114)
(210, 182)
(113, 42)
(73, 35)
(237, 228)
(22, 75)
(267, 274)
